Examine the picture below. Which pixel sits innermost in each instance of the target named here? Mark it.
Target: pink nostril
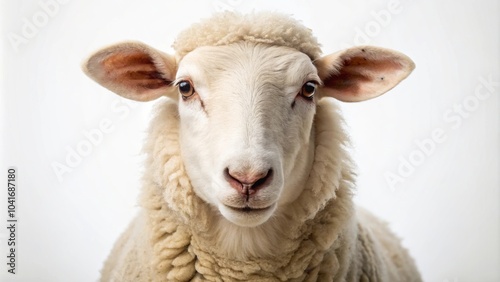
(248, 183)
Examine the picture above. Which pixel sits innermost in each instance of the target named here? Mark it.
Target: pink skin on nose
(248, 183)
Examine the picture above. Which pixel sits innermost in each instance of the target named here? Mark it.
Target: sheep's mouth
(248, 209)
(247, 215)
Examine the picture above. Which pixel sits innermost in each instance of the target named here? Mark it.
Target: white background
(446, 208)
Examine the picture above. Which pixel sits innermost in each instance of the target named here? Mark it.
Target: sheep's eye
(308, 89)
(185, 89)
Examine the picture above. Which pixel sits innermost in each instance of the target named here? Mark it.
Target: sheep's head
(246, 111)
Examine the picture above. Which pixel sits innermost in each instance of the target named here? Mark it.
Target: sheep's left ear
(361, 73)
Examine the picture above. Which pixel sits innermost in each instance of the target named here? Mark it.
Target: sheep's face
(246, 114)
(246, 111)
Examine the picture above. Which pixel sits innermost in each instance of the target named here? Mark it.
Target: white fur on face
(247, 115)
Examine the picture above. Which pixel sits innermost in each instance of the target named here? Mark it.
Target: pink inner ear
(362, 73)
(135, 70)
(356, 72)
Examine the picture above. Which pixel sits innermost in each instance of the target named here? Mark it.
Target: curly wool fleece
(321, 237)
(265, 27)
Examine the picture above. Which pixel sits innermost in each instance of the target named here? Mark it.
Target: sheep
(247, 177)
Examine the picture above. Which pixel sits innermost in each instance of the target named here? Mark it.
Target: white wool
(320, 238)
(264, 27)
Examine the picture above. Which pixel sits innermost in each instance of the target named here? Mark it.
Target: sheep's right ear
(133, 70)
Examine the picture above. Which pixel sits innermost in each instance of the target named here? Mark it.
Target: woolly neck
(310, 231)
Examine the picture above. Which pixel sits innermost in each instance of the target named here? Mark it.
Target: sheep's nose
(248, 183)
